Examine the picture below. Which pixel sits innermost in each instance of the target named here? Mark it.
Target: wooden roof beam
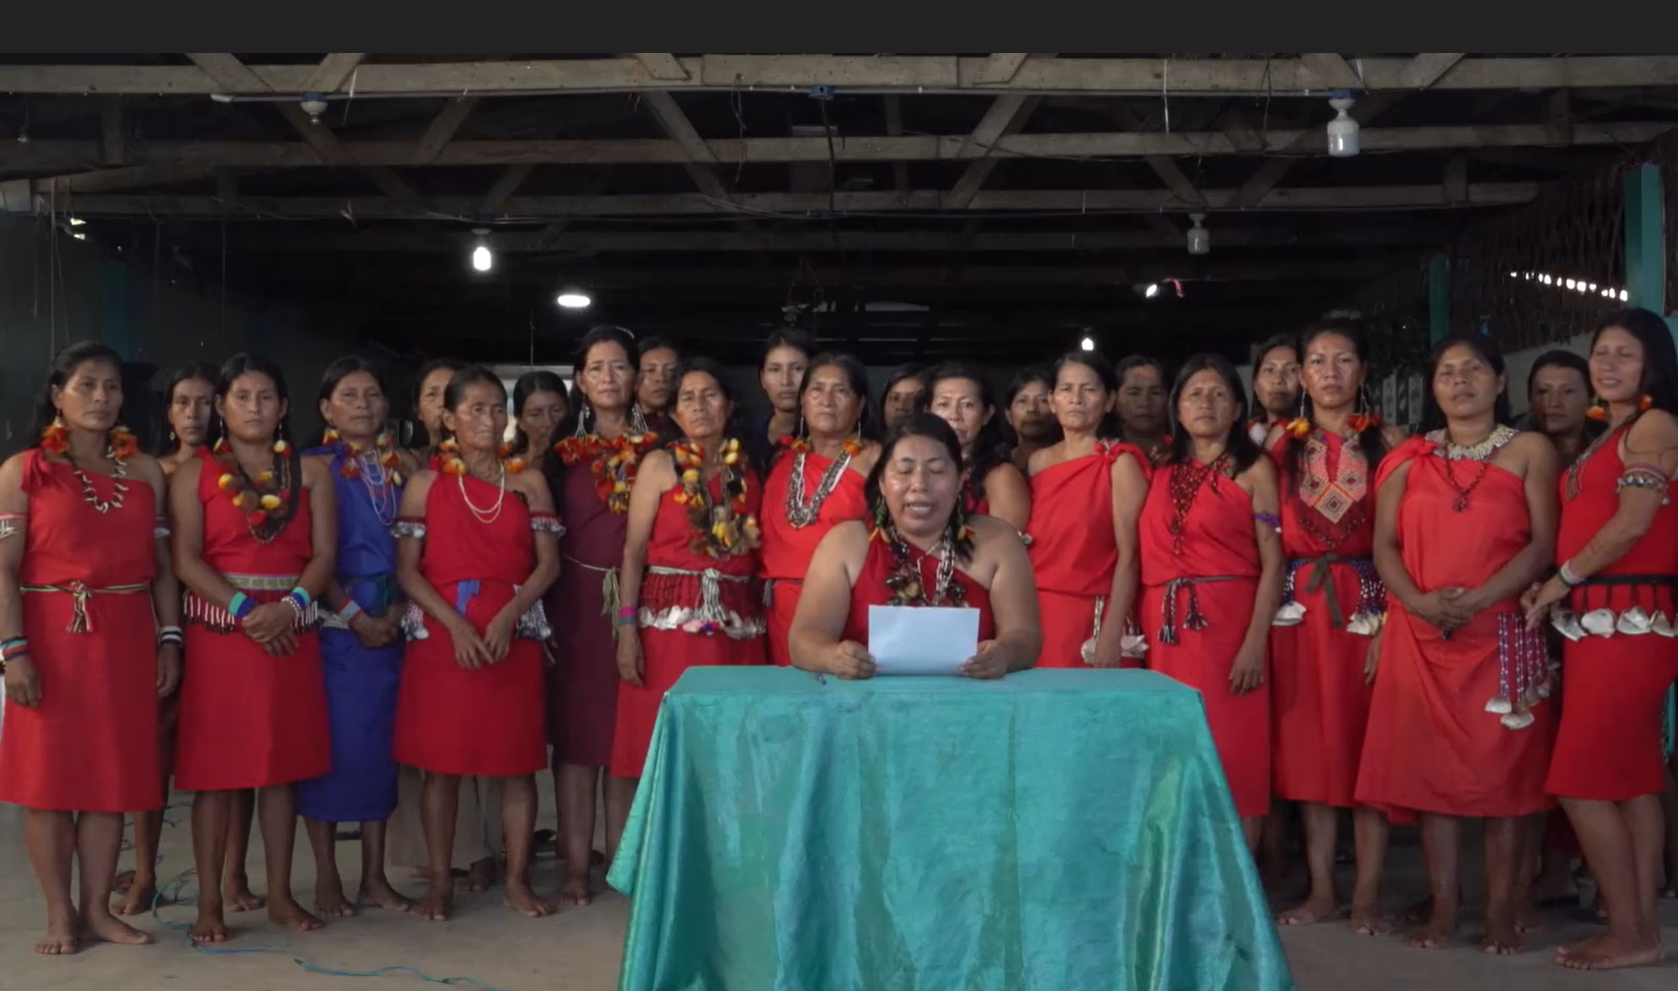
(1007, 114)
(1237, 138)
(19, 196)
(885, 73)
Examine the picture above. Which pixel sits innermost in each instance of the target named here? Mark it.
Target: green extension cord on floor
(177, 886)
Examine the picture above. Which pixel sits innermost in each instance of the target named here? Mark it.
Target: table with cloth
(1053, 830)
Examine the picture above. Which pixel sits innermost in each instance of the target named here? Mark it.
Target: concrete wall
(152, 310)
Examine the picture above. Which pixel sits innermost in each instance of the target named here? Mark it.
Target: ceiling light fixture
(483, 259)
(573, 300)
(1200, 239)
(1343, 129)
(1088, 344)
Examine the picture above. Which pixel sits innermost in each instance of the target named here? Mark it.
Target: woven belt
(1193, 619)
(608, 587)
(710, 591)
(80, 593)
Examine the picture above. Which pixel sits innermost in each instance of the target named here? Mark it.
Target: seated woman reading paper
(918, 548)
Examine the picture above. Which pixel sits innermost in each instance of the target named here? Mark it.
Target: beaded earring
(1365, 417)
(1299, 426)
(1598, 410)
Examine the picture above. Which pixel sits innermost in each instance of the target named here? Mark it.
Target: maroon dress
(582, 606)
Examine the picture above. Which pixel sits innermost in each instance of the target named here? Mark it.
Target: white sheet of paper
(922, 639)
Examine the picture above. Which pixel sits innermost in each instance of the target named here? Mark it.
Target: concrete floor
(579, 949)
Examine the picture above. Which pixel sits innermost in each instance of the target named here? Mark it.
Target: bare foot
(377, 891)
(1418, 912)
(576, 890)
(61, 937)
(137, 900)
(284, 911)
(1368, 921)
(521, 899)
(1527, 919)
(1606, 952)
(437, 903)
(480, 876)
(1503, 937)
(210, 927)
(330, 902)
(111, 929)
(1440, 930)
(238, 897)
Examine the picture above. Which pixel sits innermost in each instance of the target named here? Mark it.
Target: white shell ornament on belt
(1290, 614)
(1663, 626)
(1131, 645)
(1633, 622)
(1599, 621)
(1566, 622)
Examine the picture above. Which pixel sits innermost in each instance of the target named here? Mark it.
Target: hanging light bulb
(1343, 129)
(1200, 239)
(483, 259)
(1088, 344)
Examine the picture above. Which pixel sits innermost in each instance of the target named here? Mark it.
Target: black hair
(192, 371)
(856, 376)
(64, 365)
(1273, 342)
(581, 412)
(1026, 376)
(421, 439)
(647, 344)
(1132, 362)
(1433, 417)
(1370, 441)
(1660, 359)
(342, 369)
(786, 337)
(1239, 444)
(933, 427)
(904, 372)
(701, 365)
(528, 385)
(990, 447)
(1560, 358)
(1109, 426)
(468, 376)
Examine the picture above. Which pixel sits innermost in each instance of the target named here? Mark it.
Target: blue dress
(361, 684)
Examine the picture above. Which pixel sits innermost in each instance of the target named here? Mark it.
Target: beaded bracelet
(14, 647)
(240, 605)
(628, 615)
(1567, 575)
(170, 634)
(300, 595)
(350, 611)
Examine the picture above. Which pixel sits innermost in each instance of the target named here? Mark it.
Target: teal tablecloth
(1054, 831)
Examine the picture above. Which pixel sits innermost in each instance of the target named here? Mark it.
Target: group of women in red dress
(374, 630)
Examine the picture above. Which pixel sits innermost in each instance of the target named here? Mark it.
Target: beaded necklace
(719, 531)
(802, 512)
(266, 500)
(1482, 453)
(454, 464)
(119, 447)
(905, 582)
(1186, 480)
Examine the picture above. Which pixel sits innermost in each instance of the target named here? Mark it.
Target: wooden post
(1646, 241)
(1439, 299)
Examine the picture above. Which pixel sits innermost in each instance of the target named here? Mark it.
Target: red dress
(787, 549)
(1073, 549)
(249, 720)
(582, 604)
(677, 630)
(1196, 606)
(1432, 743)
(871, 590)
(1617, 673)
(91, 745)
(451, 720)
(1332, 596)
